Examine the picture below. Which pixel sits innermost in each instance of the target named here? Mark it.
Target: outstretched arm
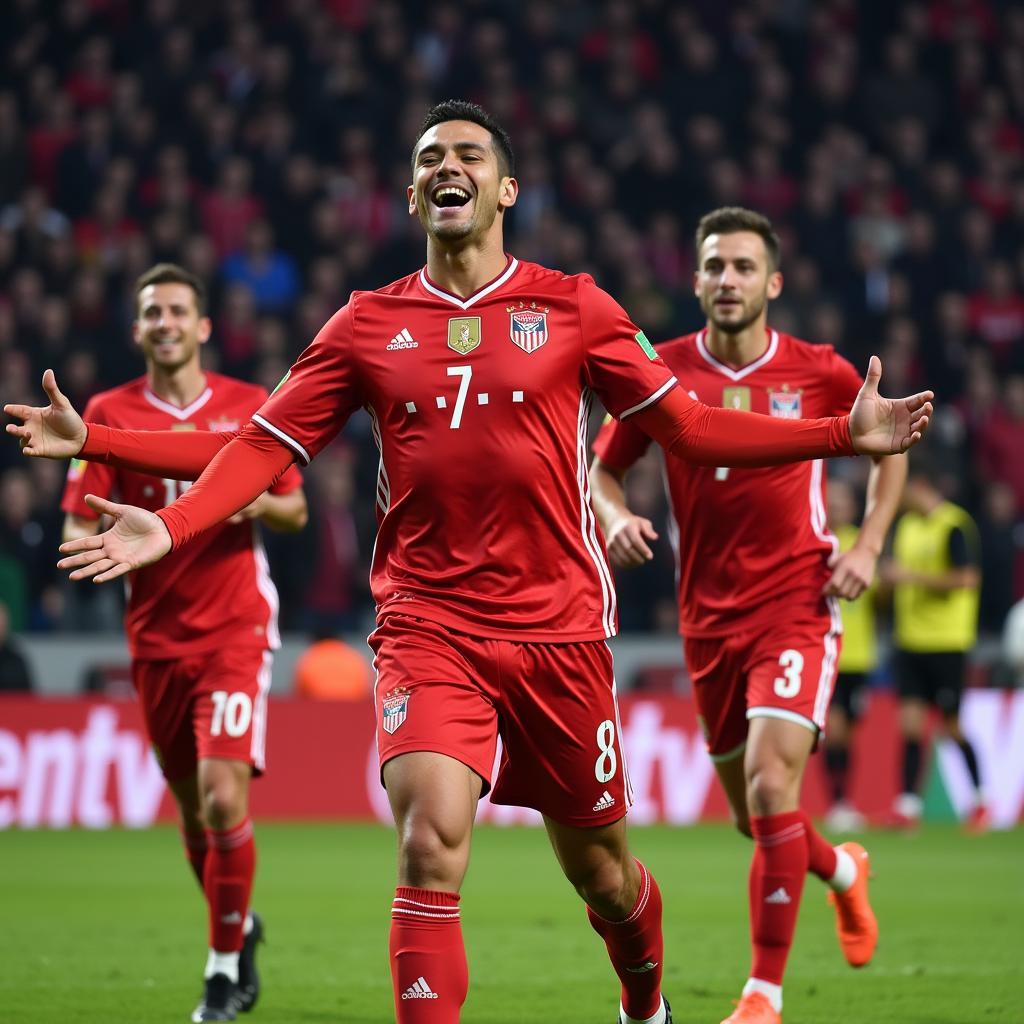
(241, 471)
(729, 437)
(56, 431)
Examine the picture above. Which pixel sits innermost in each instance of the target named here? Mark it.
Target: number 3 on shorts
(792, 664)
(607, 763)
(232, 713)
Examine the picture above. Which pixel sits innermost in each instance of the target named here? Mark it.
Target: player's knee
(770, 789)
(224, 806)
(603, 884)
(431, 855)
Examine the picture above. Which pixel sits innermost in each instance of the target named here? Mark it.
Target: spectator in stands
(270, 274)
(162, 137)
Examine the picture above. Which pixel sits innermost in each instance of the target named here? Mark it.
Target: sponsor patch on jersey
(785, 404)
(183, 426)
(76, 469)
(641, 340)
(281, 383)
(222, 425)
(394, 709)
(736, 398)
(528, 326)
(464, 333)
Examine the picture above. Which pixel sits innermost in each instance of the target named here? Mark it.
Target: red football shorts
(553, 705)
(786, 670)
(209, 705)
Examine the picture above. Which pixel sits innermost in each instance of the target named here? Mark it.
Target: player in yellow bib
(936, 580)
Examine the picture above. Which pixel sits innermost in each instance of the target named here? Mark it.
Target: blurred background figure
(935, 576)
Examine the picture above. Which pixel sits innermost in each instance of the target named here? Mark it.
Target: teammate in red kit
(759, 577)
(202, 624)
(493, 590)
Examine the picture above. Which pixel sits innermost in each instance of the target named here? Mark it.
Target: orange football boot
(754, 1008)
(856, 924)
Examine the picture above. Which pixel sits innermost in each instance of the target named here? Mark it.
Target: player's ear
(508, 192)
(204, 329)
(411, 195)
(696, 283)
(136, 332)
(774, 284)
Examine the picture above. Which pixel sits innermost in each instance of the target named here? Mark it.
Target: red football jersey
(210, 593)
(479, 407)
(751, 544)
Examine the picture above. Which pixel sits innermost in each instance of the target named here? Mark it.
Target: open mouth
(450, 196)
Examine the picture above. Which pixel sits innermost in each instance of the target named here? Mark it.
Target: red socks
(822, 854)
(428, 959)
(195, 850)
(777, 872)
(227, 882)
(635, 948)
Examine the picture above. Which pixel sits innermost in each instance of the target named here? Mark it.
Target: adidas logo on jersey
(419, 989)
(606, 801)
(779, 896)
(403, 339)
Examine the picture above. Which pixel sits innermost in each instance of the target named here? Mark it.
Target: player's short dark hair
(171, 273)
(727, 220)
(463, 110)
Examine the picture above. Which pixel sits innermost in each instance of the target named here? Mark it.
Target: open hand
(54, 431)
(885, 426)
(137, 538)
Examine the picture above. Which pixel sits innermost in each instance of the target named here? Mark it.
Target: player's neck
(465, 270)
(740, 349)
(180, 387)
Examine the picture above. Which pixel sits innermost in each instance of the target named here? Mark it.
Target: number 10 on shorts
(232, 713)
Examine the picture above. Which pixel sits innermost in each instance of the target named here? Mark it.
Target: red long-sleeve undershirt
(231, 469)
(729, 437)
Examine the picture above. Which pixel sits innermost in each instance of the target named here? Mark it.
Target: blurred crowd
(265, 146)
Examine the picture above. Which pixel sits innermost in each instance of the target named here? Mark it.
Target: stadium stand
(265, 146)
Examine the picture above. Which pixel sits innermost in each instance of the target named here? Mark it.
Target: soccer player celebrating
(493, 591)
(202, 624)
(758, 578)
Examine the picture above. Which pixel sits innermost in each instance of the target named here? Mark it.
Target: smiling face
(458, 188)
(168, 327)
(735, 280)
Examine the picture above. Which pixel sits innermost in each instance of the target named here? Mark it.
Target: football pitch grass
(109, 926)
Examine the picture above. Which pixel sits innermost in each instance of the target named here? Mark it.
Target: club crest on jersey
(736, 398)
(785, 404)
(464, 333)
(223, 424)
(528, 326)
(394, 709)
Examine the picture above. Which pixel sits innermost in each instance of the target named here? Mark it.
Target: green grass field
(108, 926)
